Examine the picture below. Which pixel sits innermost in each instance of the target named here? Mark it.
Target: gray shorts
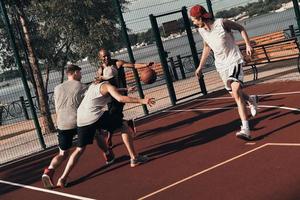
(232, 74)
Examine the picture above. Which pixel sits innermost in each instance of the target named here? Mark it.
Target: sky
(137, 14)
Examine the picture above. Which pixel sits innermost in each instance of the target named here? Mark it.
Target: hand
(97, 79)
(132, 89)
(149, 101)
(249, 50)
(198, 72)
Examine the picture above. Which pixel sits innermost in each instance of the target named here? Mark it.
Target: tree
(6, 53)
(56, 32)
(46, 119)
(77, 28)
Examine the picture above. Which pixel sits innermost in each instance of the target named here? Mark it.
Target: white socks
(245, 124)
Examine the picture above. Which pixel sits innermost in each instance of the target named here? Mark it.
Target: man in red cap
(217, 36)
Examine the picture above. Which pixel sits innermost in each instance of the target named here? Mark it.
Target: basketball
(148, 76)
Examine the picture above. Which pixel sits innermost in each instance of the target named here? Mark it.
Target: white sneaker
(244, 134)
(253, 102)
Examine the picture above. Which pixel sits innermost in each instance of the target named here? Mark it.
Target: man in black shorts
(91, 115)
(67, 98)
(116, 67)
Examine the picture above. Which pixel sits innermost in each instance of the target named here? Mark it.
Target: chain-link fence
(18, 134)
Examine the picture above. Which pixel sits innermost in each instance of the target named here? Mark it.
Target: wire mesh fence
(18, 135)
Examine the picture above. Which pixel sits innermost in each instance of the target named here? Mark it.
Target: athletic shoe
(109, 157)
(47, 178)
(138, 160)
(253, 101)
(131, 124)
(244, 134)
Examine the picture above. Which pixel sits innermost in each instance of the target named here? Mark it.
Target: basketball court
(193, 153)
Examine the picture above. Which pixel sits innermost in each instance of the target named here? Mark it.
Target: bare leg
(127, 134)
(101, 141)
(59, 158)
(239, 99)
(70, 165)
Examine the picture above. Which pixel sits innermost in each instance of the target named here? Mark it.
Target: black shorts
(115, 107)
(65, 138)
(109, 122)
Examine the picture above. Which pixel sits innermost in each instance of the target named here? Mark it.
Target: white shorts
(232, 74)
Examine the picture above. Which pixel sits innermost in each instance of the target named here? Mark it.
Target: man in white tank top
(217, 36)
(92, 115)
(67, 98)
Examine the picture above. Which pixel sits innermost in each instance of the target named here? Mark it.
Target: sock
(245, 124)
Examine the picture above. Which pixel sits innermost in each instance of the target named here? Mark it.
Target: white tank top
(92, 105)
(226, 52)
(114, 70)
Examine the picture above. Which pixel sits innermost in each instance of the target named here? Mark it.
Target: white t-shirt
(222, 43)
(92, 105)
(67, 98)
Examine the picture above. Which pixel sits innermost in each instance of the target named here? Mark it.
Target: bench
(130, 76)
(269, 48)
(264, 39)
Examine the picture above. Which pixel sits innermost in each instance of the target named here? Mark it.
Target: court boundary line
(232, 107)
(45, 190)
(216, 166)
(260, 95)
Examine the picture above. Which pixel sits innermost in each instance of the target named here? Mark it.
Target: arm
(204, 56)
(230, 25)
(107, 88)
(129, 89)
(122, 63)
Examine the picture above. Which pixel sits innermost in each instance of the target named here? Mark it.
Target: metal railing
(17, 110)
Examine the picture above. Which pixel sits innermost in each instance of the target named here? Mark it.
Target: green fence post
(193, 47)
(297, 12)
(129, 50)
(162, 56)
(209, 6)
(24, 107)
(179, 61)
(22, 72)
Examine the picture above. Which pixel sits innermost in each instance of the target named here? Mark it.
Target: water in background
(179, 46)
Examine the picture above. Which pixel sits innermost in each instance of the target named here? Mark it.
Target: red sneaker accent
(47, 178)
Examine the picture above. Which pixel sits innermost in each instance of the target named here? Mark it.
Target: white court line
(280, 107)
(284, 144)
(200, 109)
(228, 108)
(45, 190)
(260, 95)
(279, 93)
(216, 166)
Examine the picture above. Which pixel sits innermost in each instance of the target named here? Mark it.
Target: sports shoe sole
(47, 182)
(244, 137)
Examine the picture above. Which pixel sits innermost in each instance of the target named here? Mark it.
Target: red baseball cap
(199, 11)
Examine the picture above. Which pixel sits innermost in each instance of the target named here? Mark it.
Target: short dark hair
(71, 68)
